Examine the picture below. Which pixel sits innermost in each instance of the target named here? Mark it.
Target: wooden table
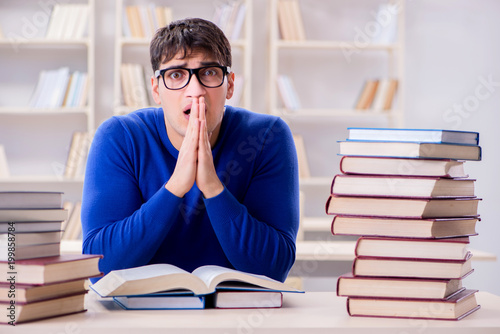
(311, 312)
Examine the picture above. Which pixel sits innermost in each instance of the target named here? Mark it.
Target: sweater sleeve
(115, 218)
(258, 234)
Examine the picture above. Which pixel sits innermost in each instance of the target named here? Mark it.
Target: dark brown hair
(186, 36)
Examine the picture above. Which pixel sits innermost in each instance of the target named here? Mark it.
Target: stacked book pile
(406, 195)
(38, 282)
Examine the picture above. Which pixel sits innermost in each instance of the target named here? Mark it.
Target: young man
(194, 182)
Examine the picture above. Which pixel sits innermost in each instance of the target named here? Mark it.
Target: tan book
(304, 171)
(367, 95)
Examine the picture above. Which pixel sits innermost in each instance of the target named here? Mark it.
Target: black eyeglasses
(179, 77)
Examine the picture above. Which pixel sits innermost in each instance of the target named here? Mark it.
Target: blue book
(415, 135)
(161, 301)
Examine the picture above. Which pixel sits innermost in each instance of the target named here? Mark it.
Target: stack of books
(38, 282)
(165, 286)
(405, 193)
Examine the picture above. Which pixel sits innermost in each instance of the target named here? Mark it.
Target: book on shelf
(412, 267)
(142, 21)
(229, 17)
(73, 229)
(29, 293)
(396, 149)
(64, 267)
(290, 22)
(401, 166)
(60, 88)
(25, 215)
(455, 308)
(401, 186)
(304, 171)
(44, 309)
(430, 228)
(367, 95)
(30, 200)
(441, 249)
(68, 21)
(77, 154)
(387, 17)
(4, 166)
(349, 285)
(166, 277)
(384, 95)
(133, 80)
(438, 136)
(31, 226)
(288, 93)
(402, 207)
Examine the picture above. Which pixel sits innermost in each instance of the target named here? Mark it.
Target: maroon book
(455, 308)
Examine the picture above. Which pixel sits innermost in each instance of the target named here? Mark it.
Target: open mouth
(187, 111)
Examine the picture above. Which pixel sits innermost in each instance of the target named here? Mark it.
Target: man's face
(176, 104)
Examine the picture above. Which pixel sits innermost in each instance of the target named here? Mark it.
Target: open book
(166, 277)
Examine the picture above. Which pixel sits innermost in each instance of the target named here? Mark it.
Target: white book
(238, 24)
(380, 95)
(387, 18)
(4, 167)
(60, 87)
(81, 24)
(38, 89)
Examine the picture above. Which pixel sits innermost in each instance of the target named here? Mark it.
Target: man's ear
(155, 90)
(230, 85)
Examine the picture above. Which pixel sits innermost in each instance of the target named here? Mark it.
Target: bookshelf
(331, 42)
(37, 139)
(134, 49)
(317, 47)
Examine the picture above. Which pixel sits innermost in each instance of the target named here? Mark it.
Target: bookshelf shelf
(36, 150)
(335, 45)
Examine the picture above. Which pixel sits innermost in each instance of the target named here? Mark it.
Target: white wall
(451, 48)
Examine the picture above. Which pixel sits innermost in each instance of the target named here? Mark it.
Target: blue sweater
(130, 218)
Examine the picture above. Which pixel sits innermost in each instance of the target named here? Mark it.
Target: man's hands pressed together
(195, 162)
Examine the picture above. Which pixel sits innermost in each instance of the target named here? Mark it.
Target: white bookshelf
(329, 31)
(38, 139)
(136, 50)
(394, 53)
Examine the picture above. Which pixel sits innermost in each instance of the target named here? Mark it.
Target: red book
(349, 285)
(51, 269)
(401, 186)
(455, 308)
(402, 207)
(401, 166)
(441, 249)
(412, 268)
(404, 227)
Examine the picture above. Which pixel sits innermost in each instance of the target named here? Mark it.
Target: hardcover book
(444, 249)
(349, 285)
(401, 186)
(410, 150)
(417, 135)
(402, 207)
(401, 166)
(412, 268)
(164, 277)
(53, 269)
(403, 227)
(30, 200)
(455, 308)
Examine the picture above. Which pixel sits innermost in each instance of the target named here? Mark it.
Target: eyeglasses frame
(225, 69)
